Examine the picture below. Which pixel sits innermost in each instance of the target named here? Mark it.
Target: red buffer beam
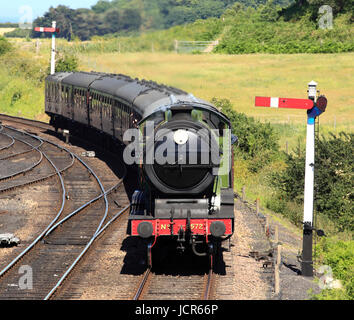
(288, 103)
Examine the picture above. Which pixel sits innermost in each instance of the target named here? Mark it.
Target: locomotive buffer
(315, 106)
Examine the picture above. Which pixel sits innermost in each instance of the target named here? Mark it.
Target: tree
(112, 22)
(131, 19)
(64, 16)
(269, 12)
(5, 46)
(102, 6)
(333, 179)
(86, 24)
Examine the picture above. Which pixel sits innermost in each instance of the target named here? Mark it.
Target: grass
(4, 30)
(241, 77)
(238, 78)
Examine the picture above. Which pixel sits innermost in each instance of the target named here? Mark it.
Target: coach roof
(81, 79)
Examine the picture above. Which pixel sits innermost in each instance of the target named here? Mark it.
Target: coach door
(80, 109)
(66, 102)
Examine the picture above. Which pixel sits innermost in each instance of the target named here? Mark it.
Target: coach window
(105, 114)
(56, 92)
(124, 116)
(46, 90)
(96, 100)
(80, 98)
(102, 109)
(118, 112)
(63, 94)
(50, 92)
(110, 107)
(101, 102)
(68, 95)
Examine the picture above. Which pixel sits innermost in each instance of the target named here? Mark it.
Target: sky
(15, 10)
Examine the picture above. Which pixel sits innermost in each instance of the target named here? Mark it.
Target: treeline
(8, 25)
(270, 29)
(300, 8)
(126, 16)
(85, 23)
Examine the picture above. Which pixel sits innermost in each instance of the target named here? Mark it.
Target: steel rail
(52, 225)
(42, 178)
(83, 207)
(16, 154)
(39, 124)
(207, 291)
(6, 135)
(142, 284)
(103, 192)
(14, 261)
(89, 244)
(29, 168)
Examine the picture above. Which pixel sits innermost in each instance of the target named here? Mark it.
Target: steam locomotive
(181, 145)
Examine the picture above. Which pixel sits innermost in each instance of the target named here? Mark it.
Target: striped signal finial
(275, 102)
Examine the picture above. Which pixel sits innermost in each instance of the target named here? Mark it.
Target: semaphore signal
(53, 30)
(315, 106)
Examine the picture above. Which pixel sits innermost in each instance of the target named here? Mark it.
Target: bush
(261, 31)
(18, 33)
(66, 63)
(339, 255)
(258, 142)
(5, 46)
(333, 179)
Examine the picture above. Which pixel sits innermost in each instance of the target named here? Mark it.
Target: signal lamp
(321, 103)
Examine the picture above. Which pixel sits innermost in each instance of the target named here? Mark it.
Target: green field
(238, 78)
(242, 77)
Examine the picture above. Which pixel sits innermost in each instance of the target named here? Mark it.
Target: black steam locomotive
(181, 144)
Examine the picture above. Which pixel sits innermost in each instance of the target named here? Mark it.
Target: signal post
(315, 107)
(53, 30)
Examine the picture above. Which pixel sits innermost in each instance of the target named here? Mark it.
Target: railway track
(162, 283)
(83, 216)
(154, 286)
(40, 170)
(64, 251)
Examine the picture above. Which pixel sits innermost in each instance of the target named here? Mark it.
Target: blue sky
(10, 10)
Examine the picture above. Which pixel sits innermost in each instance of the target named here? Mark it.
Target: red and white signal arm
(43, 29)
(288, 103)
